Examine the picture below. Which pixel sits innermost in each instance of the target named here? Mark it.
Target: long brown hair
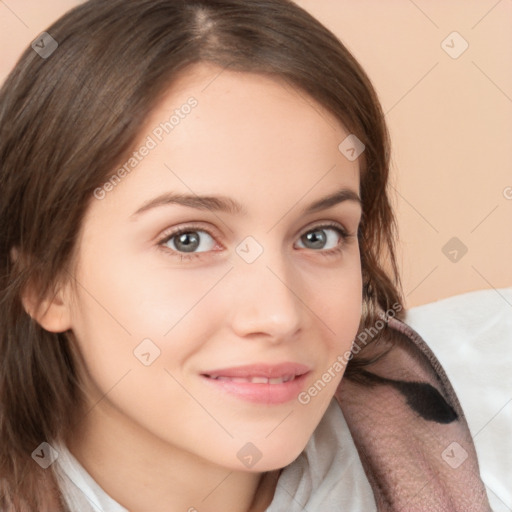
(67, 119)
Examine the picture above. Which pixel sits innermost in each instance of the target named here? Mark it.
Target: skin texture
(157, 437)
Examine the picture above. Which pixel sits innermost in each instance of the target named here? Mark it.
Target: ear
(53, 312)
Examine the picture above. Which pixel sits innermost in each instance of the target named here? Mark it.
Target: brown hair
(69, 118)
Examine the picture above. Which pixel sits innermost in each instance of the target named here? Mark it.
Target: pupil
(316, 238)
(187, 242)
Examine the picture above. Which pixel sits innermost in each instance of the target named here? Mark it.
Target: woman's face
(263, 281)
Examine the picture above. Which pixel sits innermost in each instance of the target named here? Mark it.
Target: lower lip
(261, 393)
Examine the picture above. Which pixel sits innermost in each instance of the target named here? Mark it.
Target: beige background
(450, 121)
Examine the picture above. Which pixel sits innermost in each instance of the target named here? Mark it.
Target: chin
(270, 456)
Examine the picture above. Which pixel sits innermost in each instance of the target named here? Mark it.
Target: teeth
(236, 379)
(258, 380)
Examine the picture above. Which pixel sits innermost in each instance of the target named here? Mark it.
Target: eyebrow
(229, 205)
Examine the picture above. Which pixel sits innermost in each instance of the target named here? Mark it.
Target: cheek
(133, 298)
(134, 322)
(347, 314)
(338, 299)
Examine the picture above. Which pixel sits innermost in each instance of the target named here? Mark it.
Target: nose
(266, 299)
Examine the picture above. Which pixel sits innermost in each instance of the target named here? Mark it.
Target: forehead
(248, 108)
(250, 136)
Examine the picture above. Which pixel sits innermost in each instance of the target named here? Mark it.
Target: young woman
(196, 247)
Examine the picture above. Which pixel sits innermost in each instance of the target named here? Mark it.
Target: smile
(260, 383)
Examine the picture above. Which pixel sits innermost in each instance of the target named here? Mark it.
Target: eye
(189, 240)
(327, 238)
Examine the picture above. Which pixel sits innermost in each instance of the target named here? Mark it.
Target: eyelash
(190, 256)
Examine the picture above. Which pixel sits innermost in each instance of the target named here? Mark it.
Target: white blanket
(471, 334)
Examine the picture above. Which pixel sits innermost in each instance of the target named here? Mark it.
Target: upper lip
(260, 370)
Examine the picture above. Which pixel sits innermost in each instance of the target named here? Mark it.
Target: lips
(279, 373)
(260, 383)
